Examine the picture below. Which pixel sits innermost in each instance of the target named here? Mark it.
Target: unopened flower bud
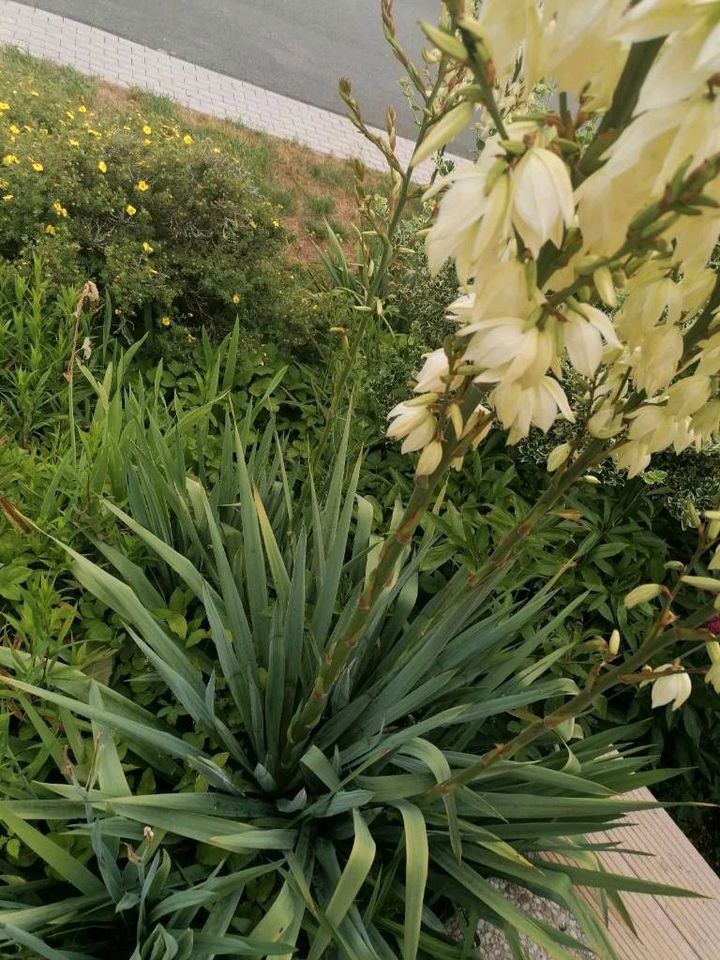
(614, 643)
(557, 456)
(443, 131)
(456, 419)
(429, 459)
(602, 278)
(643, 593)
(703, 583)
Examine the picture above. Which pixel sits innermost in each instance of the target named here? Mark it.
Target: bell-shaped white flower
(583, 332)
(605, 422)
(415, 425)
(684, 66)
(658, 359)
(706, 421)
(434, 377)
(633, 457)
(688, 395)
(470, 220)
(518, 408)
(508, 348)
(542, 198)
(674, 688)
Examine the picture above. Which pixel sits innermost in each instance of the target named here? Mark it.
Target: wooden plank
(669, 928)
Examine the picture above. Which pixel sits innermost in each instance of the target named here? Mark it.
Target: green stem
(371, 292)
(655, 641)
(624, 101)
(334, 661)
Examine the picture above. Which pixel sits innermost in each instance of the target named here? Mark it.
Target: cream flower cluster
(582, 240)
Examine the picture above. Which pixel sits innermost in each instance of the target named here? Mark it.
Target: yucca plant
(200, 826)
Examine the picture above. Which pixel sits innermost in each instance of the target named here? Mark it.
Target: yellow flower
(14, 129)
(102, 167)
(34, 93)
(37, 167)
(69, 114)
(236, 298)
(130, 210)
(147, 248)
(165, 322)
(191, 338)
(82, 108)
(95, 133)
(147, 142)
(142, 186)
(147, 130)
(276, 224)
(216, 149)
(187, 139)
(9, 159)
(59, 209)
(50, 229)
(4, 106)
(8, 196)
(73, 142)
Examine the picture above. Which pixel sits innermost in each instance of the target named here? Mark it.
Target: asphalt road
(295, 47)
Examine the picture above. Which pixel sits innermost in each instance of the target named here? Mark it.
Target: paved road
(295, 47)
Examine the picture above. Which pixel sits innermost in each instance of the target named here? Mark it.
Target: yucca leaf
(54, 856)
(434, 759)
(279, 574)
(253, 552)
(604, 880)
(281, 924)
(353, 877)
(316, 761)
(111, 777)
(175, 560)
(295, 620)
(232, 945)
(333, 499)
(245, 670)
(132, 574)
(336, 549)
(211, 890)
(32, 918)
(416, 872)
(13, 934)
(502, 908)
(226, 834)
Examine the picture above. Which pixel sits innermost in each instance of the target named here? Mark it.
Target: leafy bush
(218, 825)
(172, 227)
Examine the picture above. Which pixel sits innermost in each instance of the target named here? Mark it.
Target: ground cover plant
(306, 734)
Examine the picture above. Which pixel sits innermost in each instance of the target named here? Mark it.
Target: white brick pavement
(129, 64)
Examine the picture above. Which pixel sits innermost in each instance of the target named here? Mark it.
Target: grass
(308, 186)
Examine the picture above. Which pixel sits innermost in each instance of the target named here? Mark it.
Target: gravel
(492, 943)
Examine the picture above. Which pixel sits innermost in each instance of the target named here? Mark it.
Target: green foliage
(181, 820)
(173, 228)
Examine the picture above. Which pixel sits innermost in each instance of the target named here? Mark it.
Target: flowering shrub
(324, 759)
(162, 219)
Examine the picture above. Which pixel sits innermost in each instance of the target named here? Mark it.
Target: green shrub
(173, 228)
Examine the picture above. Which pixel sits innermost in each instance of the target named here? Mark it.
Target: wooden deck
(669, 928)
